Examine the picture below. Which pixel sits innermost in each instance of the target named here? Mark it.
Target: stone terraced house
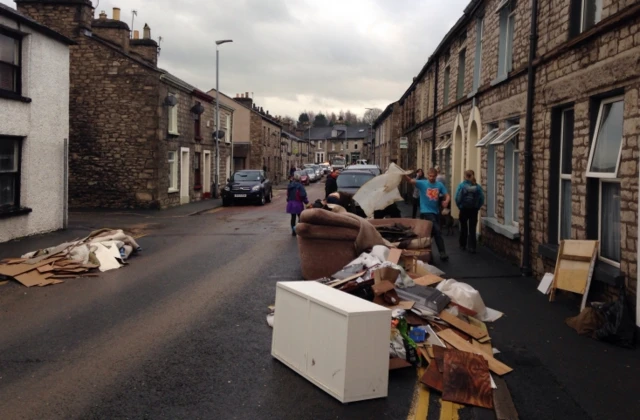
(550, 129)
(139, 136)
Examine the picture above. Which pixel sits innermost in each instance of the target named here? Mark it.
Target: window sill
(173, 134)
(173, 190)
(603, 272)
(499, 79)
(13, 212)
(197, 138)
(511, 232)
(6, 94)
(472, 93)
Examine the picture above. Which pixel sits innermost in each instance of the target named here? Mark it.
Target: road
(178, 333)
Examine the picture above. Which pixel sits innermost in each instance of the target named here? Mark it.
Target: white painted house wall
(44, 125)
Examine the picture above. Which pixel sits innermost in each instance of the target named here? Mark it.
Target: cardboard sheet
(106, 258)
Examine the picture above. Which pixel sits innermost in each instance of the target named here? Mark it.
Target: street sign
(404, 143)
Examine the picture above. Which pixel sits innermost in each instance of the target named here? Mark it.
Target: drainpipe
(528, 143)
(435, 112)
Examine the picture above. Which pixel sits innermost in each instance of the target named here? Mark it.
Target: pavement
(557, 373)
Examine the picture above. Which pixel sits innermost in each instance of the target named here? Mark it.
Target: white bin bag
(381, 191)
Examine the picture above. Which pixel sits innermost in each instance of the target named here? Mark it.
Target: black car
(250, 185)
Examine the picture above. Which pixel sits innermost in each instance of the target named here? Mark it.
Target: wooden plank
(347, 280)
(398, 363)
(503, 404)
(33, 278)
(394, 255)
(438, 356)
(432, 377)
(463, 326)
(449, 410)
(428, 280)
(495, 366)
(466, 379)
(482, 347)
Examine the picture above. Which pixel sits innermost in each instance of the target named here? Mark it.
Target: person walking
(292, 171)
(416, 194)
(331, 184)
(469, 199)
(296, 201)
(430, 191)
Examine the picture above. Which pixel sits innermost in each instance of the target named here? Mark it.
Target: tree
(371, 115)
(320, 121)
(350, 117)
(303, 118)
(333, 118)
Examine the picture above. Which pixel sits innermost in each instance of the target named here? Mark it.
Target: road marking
(420, 405)
(449, 410)
(214, 210)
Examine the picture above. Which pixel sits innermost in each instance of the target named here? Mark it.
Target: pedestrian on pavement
(291, 172)
(296, 201)
(430, 192)
(416, 194)
(331, 184)
(469, 199)
(441, 176)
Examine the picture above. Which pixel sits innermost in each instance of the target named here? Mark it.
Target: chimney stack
(116, 13)
(103, 15)
(244, 100)
(136, 34)
(146, 32)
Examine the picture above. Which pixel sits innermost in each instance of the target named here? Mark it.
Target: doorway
(184, 175)
(206, 171)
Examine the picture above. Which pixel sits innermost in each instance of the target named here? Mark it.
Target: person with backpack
(296, 201)
(469, 199)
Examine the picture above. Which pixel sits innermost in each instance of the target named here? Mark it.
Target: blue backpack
(470, 196)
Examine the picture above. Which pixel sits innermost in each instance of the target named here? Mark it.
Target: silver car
(312, 174)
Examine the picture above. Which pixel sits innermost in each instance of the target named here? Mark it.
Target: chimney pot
(146, 32)
(136, 34)
(116, 13)
(103, 15)
(247, 95)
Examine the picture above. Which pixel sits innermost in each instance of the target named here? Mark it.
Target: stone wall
(68, 17)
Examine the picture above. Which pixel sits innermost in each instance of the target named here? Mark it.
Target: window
(511, 182)
(491, 135)
(477, 72)
(604, 161)
(461, 70)
(319, 144)
(9, 173)
(447, 71)
(10, 71)
(197, 127)
(505, 48)
(507, 135)
(347, 145)
(264, 135)
(584, 14)
(197, 175)
(566, 152)
(333, 146)
(227, 131)
(173, 171)
(173, 118)
(355, 146)
(492, 160)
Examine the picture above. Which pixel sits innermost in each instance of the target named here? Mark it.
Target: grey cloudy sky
(296, 54)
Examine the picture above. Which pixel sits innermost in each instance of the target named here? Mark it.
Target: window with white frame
(319, 144)
(173, 171)
(10, 71)
(603, 166)
(227, 128)
(511, 182)
(9, 173)
(173, 117)
(333, 146)
(477, 67)
(584, 14)
(492, 180)
(564, 189)
(506, 10)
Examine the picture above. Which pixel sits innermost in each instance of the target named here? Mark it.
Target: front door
(184, 175)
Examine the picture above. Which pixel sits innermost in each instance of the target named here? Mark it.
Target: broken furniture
(420, 246)
(328, 241)
(574, 268)
(335, 340)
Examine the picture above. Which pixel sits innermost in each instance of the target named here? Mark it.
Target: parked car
(373, 168)
(350, 181)
(247, 186)
(312, 174)
(325, 168)
(304, 177)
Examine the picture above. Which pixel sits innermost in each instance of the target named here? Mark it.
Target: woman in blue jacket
(469, 199)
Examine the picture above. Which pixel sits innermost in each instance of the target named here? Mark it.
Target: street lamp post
(373, 139)
(217, 181)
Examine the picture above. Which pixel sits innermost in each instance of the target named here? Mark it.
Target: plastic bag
(381, 191)
(465, 295)
(619, 327)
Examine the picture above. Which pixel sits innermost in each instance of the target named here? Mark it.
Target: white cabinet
(337, 341)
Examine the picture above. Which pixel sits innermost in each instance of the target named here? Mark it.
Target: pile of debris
(437, 325)
(102, 250)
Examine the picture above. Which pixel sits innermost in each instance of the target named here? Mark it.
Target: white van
(361, 162)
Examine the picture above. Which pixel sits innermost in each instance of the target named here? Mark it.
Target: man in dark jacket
(331, 185)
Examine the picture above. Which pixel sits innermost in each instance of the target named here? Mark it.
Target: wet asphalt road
(178, 333)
